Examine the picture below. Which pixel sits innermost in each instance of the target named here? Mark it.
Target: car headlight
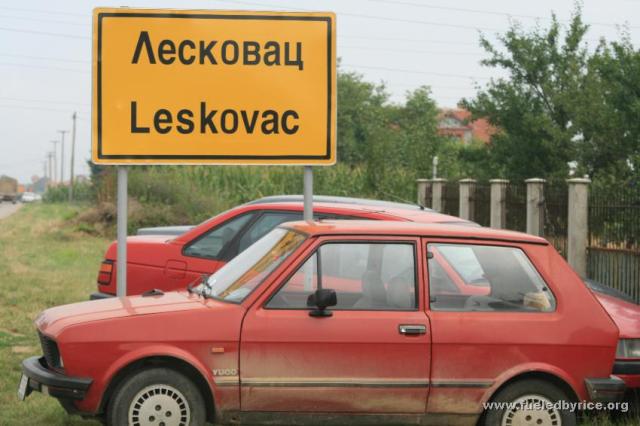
(628, 348)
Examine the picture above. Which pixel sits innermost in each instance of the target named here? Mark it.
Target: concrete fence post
(578, 232)
(535, 206)
(423, 186)
(437, 194)
(498, 203)
(467, 199)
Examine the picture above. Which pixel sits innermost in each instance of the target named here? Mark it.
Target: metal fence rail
(613, 255)
(617, 268)
(516, 206)
(556, 207)
(482, 204)
(451, 198)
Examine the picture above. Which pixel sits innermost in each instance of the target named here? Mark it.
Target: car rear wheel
(158, 397)
(529, 402)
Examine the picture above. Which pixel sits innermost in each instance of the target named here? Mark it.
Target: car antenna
(402, 200)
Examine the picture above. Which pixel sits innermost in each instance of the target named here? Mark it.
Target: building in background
(455, 123)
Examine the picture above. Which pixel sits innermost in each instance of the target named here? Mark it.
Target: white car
(30, 197)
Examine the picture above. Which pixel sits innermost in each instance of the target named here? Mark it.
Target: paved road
(7, 209)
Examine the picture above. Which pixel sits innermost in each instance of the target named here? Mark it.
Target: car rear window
(474, 277)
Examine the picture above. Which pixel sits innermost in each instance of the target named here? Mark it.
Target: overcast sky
(45, 55)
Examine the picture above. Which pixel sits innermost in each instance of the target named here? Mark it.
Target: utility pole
(62, 132)
(54, 173)
(50, 175)
(73, 152)
(44, 169)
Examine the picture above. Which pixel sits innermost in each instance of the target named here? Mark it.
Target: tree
(561, 104)
(609, 113)
(360, 111)
(418, 123)
(533, 106)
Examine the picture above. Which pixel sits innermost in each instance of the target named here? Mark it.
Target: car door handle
(412, 329)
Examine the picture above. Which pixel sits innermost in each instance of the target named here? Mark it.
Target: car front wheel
(158, 397)
(529, 402)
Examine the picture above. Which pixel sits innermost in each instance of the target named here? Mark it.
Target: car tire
(529, 391)
(155, 395)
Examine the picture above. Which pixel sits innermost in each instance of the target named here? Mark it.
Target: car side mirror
(321, 299)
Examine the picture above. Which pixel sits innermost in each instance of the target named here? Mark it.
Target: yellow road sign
(215, 87)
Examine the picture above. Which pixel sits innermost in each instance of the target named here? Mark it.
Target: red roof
(480, 128)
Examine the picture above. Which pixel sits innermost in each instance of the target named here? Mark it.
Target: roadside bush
(185, 195)
(82, 192)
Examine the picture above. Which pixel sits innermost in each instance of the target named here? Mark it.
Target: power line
(52, 21)
(45, 58)
(20, 30)
(46, 67)
(372, 17)
(44, 101)
(400, 50)
(482, 11)
(416, 72)
(66, 111)
(48, 12)
(415, 40)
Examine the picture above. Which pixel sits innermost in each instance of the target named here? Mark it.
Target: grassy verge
(43, 263)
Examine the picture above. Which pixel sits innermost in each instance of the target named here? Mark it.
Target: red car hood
(52, 321)
(626, 315)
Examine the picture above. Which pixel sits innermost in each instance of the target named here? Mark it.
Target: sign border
(327, 19)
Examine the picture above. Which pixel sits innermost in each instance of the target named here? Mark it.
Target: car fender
(534, 367)
(156, 351)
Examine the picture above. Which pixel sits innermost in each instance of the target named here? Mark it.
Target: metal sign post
(308, 194)
(282, 110)
(121, 261)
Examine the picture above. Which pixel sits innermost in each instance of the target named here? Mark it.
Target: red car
(319, 322)
(172, 262)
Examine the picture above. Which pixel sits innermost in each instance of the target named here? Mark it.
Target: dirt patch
(22, 349)
(12, 333)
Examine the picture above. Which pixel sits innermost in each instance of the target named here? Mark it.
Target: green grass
(43, 262)
(46, 261)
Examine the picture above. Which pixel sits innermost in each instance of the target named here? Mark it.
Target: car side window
(212, 244)
(361, 274)
(265, 223)
(485, 278)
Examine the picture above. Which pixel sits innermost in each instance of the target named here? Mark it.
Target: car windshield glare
(235, 281)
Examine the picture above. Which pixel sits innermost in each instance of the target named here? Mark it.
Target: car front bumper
(629, 371)
(52, 383)
(98, 295)
(609, 389)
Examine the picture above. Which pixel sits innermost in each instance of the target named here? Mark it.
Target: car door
(372, 355)
(478, 336)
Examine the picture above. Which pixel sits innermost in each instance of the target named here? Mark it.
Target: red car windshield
(237, 279)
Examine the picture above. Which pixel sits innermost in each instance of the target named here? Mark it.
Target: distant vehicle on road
(30, 197)
(321, 321)
(169, 258)
(8, 189)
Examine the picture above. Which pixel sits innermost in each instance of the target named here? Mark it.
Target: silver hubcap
(531, 410)
(159, 405)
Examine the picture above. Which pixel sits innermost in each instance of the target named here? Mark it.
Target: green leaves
(559, 102)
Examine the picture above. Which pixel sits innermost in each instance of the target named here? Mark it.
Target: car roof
(353, 210)
(365, 227)
(297, 198)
